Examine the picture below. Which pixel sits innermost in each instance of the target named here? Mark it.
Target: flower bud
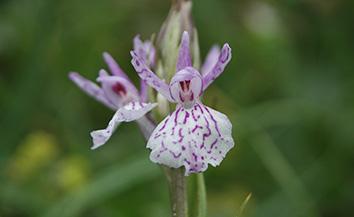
(178, 20)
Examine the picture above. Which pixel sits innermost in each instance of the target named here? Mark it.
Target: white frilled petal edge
(192, 138)
(130, 112)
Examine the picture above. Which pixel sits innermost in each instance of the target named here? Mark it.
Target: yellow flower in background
(72, 172)
(36, 151)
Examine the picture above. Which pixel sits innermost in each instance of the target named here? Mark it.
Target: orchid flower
(194, 135)
(118, 93)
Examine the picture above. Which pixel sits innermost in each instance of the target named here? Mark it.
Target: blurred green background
(288, 91)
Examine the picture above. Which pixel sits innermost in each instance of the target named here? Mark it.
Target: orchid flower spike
(118, 93)
(194, 135)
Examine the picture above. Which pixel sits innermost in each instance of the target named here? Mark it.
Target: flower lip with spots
(194, 135)
(118, 93)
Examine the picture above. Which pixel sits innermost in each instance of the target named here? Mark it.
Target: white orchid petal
(130, 112)
(192, 138)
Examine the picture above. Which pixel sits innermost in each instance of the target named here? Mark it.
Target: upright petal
(117, 89)
(184, 56)
(113, 66)
(145, 50)
(210, 60)
(91, 89)
(192, 138)
(223, 60)
(130, 112)
(149, 77)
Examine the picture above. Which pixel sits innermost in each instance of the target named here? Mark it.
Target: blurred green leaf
(112, 182)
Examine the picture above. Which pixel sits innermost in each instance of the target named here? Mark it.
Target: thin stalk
(178, 191)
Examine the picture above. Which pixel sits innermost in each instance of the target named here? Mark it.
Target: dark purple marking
(164, 124)
(205, 135)
(144, 71)
(196, 127)
(119, 89)
(195, 156)
(212, 145)
(200, 108)
(156, 83)
(163, 147)
(192, 97)
(202, 145)
(194, 118)
(180, 97)
(180, 135)
(175, 121)
(215, 123)
(157, 136)
(175, 155)
(187, 161)
(186, 117)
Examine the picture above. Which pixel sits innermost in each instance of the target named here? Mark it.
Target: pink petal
(117, 89)
(113, 66)
(210, 60)
(150, 77)
(91, 89)
(184, 57)
(223, 60)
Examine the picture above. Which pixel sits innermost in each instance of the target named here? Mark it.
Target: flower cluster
(193, 135)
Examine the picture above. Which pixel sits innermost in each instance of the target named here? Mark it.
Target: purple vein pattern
(192, 138)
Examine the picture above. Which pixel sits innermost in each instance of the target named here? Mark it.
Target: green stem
(178, 191)
(201, 196)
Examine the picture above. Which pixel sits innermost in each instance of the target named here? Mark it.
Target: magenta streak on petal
(194, 118)
(175, 155)
(195, 156)
(200, 108)
(186, 117)
(180, 135)
(212, 145)
(196, 127)
(213, 119)
(175, 121)
(157, 136)
(162, 150)
(164, 124)
(180, 97)
(205, 135)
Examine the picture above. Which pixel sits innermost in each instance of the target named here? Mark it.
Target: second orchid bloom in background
(118, 93)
